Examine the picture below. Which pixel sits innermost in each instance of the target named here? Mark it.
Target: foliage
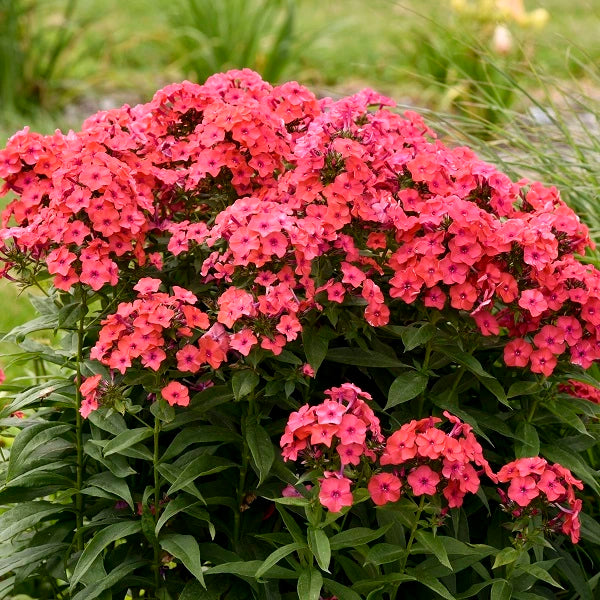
(217, 262)
(216, 35)
(472, 50)
(35, 42)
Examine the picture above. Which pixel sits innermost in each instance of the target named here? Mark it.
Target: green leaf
(382, 554)
(527, 442)
(126, 439)
(351, 538)
(185, 548)
(276, 556)
(162, 410)
(573, 462)
(110, 483)
(412, 337)
(339, 590)
(590, 528)
(505, 557)
(434, 545)
(25, 515)
(243, 382)
(181, 503)
(115, 576)
(261, 448)
(249, 568)
(194, 591)
(310, 583)
(316, 344)
(290, 524)
(201, 466)
(29, 556)
(437, 586)
(99, 542)
(363, 358)
(201, 434)
(43, 392)
(18, 333)
(28, 441)
(523, 388)
(406, 387)
(470, 363)
(539, 573)
(318, 542)
(501, 590)
(567, 415)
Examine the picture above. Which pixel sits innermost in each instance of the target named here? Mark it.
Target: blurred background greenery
(517, 80)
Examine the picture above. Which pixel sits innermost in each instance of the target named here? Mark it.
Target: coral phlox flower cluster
(578, 389)
(340, 431)
(153, 325)
(431, 460)
(535, 483)
(260, 183)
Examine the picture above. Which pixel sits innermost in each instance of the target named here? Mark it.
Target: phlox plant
(294, 348)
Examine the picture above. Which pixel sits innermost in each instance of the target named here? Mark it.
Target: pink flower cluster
(340, 430)
(427, 456)
(578, 389)
(259, 183)
(536, 483)
(149, 327)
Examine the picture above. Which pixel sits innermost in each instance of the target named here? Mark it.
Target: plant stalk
(155, 461)
(413, 531)
(79, 424)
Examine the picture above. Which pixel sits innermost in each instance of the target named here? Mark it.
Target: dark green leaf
(185, 548)
(194, 591)
(99, 542)
(539, 573)
(339, 590)
(249, 568)
(105, 583)
(316, 344)
(434, 545)
(412, 337)
(573, 462)
(590, 528)
(523, 388)
(501, 590)
(437, 586)
(382, 554)
(201, 466)
(261, 448)
(357, 536)
(162, 410)
(173, 507)
(406, 387)
(110, 483)
(43, 392)
(202, 434)
(527, 442)
(505, 557)
(276, 556)
(29, 441)
(126, 439)
(25, 515)
(318, 542)
(29, 556)
(310, 583)
(362, 358)
(243, 382)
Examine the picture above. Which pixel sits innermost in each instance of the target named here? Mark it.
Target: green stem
(534, 404)
(241, 491)
(155, 461)
(413, 531)
(79, 424)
